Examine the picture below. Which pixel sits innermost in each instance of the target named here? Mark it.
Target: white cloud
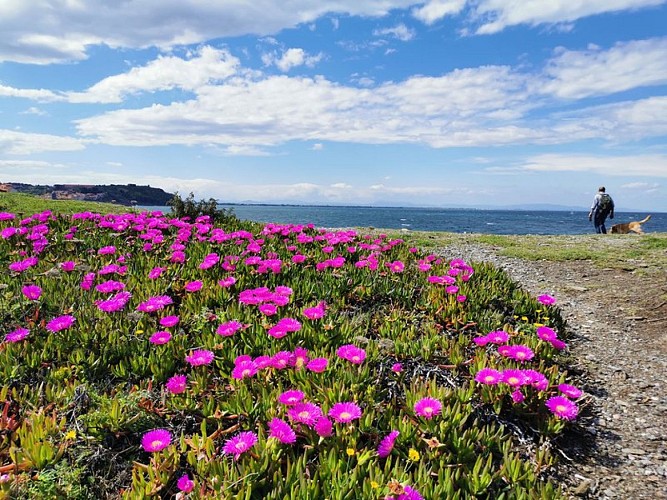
(209, 65)
(34, 111)
(627, 65)
(291, 58)
(496, 15)
(627, 166)
(318, 146)
(434, 10)
(400, 31)
(22, 143)
(42, 95)
(640, 185)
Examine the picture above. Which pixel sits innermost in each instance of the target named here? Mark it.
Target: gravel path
(617, 321)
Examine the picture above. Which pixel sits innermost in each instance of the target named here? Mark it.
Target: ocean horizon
(456, 220)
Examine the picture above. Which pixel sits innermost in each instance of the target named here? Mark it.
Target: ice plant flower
(546, 300)
(281, 430)
(316, 312)
(291, 397)
(498, 337)
(32, 292)
(562, 407)
(428, 407)
(160, 338)
(514, 378)
(169, 321)
(519, 353)
(227, 282)
(239, 444)
(114, 303)
(193, 286)
(397, 368)
(545, 333)
(536, 379)
(156, 440)
(517, 396)
(17, 335)
(351, 353)
(200, 357)
(570, 391)
(156, 272)
(387, 444)
(177, 384)
(317, 365)
(345, 412)
(244, 369)
(110, 286)
(305, 413)
(60, 323)
(324, 427)
(229, 328)
(185, 484)
(409, 493)
(488, 376)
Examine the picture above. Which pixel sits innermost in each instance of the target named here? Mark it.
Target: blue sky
(436, 103)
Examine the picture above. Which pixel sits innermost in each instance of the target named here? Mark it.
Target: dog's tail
(645, 220)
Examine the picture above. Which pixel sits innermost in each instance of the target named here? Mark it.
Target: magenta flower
(108, 250)
(209, 261)
(282, 431)
(397, 368)
(281, 360)
(110, 286)
(488, 376)
(155, 303)
(396, 267)
(291, 397)
(17, 335)
(428, 407)
(177, 384)
(156, 272)
(545, 333)
(519, 352)
(498, 337)
(546, 300)
(200, 357)
(351, 353)
(229, 328)
(156, 440)
(32, 292)
(317, 365)
(345, 412)
(324, 427)
(185, 484)
(536, 379)
(169, 321)
(244, 369)
(239, 444)
(193, 286)
(518, 397)
(514, 378)
(409, 493)
(316, 312)
(160, 338)
(227, 282)
(267, 309)
(114, 303)
(60, 323)
(299, 357)
(562, 407)
(558, 344)
(305, 413)
(570, 391)
(481, 341)
(67, 266)
(387, 444)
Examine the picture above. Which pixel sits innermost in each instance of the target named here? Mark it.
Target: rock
(633, 451)
(583, 487)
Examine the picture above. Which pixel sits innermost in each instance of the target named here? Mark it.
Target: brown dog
(634, 226)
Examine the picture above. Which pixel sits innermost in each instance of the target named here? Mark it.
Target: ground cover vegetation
(144, 355)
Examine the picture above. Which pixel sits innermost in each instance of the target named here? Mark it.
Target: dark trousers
(598, 222)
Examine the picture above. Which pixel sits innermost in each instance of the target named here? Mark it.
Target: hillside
(121, 194)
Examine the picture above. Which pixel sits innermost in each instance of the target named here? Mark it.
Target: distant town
(121, 194)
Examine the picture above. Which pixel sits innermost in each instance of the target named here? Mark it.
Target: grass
(26, 204)
(85, 387)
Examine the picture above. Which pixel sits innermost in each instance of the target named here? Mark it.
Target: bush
(191, 209)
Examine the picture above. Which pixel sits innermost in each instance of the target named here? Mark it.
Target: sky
(374, 102)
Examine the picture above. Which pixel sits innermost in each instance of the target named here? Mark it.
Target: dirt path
(617, 320)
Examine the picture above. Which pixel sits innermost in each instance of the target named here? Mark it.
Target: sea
(455, 220)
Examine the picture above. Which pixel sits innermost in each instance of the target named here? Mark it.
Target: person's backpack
(604, 205)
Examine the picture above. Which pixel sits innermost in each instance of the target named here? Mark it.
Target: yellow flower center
(345, 415)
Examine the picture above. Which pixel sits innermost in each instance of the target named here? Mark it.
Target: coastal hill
(121, 194)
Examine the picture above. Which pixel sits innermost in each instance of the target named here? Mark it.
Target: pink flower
(558, 344)
(481, 341)
(488, 376)
(290, 397)
(161, 337)
(32, 292)
(244, 369)
(498, 337)
(345, 412)
(60, 323)
(227, 282)
(351, 353)
(396, 267)
(546, 300)
(107, 250)
(156, 272)
(169, 321)
(316, 312)
(518, 397)
(519, 352)
(209, 261)
(570, 391)
(428, 407)
(317, 365)
(514, 378)
(267, 309)
(17, 335)
(229, 328)
(239, 444)
(387, 444)
(562, 407)
(397, 368)
(155, 303)
(545, 333)
(280, 360)
(177, 384)
(156, 440)
(200, 357)
(536, 379)
(324, 427)
(114, 303)
(185, 484)
(409, 493)
(110, 286)
(305, 413)
(67, 266)
(282, 431)
(193, 286)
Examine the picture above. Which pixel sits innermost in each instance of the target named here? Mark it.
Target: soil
(617, 327)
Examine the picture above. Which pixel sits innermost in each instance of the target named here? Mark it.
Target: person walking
(602, 207)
